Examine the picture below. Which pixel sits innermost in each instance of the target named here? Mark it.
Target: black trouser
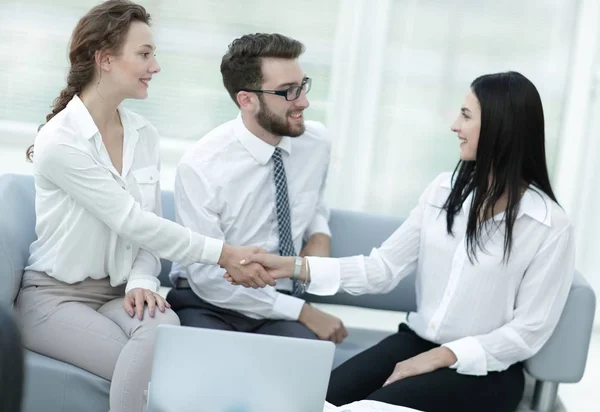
(363, 376)
(194, 311)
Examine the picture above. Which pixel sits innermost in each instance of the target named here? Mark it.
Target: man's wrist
(304, 313)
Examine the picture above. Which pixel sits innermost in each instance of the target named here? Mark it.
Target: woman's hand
(277, 267)
(252, 276)
(137, 298)
(425, 362)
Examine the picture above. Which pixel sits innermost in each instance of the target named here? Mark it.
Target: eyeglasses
(290, 94)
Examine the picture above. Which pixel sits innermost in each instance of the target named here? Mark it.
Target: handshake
(253, 267)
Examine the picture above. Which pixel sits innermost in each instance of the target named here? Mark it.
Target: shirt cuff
(287, 307)
(470, 355)
(211, 253)
(318, 225)
(145, 282)
(324, 275)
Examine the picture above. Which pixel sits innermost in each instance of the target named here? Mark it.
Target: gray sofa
(54, 386)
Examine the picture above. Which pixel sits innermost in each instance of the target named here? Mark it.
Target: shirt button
(128, 247)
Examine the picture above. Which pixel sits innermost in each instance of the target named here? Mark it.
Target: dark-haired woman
(89, 293)
(493, 254)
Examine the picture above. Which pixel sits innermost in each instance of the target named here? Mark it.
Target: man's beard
(275, 124)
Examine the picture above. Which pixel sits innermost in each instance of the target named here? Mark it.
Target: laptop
(220, 371)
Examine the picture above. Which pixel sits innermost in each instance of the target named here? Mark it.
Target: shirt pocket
(147, 178)
(303, 212)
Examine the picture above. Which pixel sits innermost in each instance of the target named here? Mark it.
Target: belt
(183, 283)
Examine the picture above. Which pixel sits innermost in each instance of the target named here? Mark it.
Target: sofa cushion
(168, 212)
(52, 385)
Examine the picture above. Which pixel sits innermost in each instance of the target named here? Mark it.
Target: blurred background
(389, 77)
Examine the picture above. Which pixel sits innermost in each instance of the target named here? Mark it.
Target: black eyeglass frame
(306, 83)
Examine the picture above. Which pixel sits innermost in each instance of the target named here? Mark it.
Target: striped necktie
(284, 221)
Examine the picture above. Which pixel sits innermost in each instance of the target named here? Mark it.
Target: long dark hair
(511, 155)
(103, 28)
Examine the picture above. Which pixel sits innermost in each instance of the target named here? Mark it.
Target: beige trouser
(84, 324)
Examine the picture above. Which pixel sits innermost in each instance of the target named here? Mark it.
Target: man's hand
(319, 244)
(325, 326)
(252, 276)
(425, 362)
(137, 298)
(277, 267)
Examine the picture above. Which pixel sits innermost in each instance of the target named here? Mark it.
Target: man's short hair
(241, 65)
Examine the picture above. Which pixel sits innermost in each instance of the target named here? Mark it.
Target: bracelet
(297, 268)
(306, 277)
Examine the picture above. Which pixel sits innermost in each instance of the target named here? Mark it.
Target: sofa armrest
(17, 231)
(563, 357)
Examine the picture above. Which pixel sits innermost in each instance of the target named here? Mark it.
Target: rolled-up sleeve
(320, 222)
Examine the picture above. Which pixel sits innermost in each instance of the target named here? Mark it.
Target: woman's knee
(149, 324)
(168, 317)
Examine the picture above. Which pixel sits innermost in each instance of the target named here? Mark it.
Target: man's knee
(175, 297)
(292, 329)
(305, 332)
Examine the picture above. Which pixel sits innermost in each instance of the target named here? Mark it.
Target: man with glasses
(257, 180)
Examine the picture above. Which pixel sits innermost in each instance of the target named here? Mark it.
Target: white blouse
(93, 222)
(489, 313)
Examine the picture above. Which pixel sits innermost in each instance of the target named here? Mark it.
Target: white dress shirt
(93, 222)
(490, 314)
(224, 187)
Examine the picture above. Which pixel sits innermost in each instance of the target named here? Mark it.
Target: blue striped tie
(284, 222)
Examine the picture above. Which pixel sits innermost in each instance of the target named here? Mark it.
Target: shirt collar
(534, 203)
(82, 117)
(260, 150)
(86, 123)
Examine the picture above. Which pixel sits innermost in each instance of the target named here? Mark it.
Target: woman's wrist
(225, 252)
(290, 265)
(304, 272)
(445, 357)
(297, 268)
